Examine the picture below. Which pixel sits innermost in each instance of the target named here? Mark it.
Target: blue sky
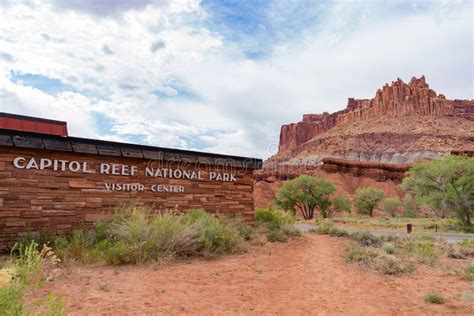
(220, 76)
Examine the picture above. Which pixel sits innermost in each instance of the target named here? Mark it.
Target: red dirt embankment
(306, 276)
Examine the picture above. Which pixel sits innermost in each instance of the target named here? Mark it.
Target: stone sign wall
(57, 190)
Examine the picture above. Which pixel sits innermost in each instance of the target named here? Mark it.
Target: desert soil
(305, 276)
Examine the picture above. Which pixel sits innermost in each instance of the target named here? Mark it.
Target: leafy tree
(339, 203)
(366, 200)
(410, 206)
(390, 206)
(445, 185)
(305, 193)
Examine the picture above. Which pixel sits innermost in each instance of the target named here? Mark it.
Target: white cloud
(196, 90)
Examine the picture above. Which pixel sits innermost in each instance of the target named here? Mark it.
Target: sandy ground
(305, 276)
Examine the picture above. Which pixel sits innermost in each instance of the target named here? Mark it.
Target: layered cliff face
(372, 141)
(397, 100)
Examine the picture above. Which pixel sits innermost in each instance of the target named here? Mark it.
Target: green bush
(277, 236)
(434, 298)
(337, 232)
(245, 231)
(273, 219)
(366, 239)
(216, 237)
(389, 248)
(135, 235)
(324, 228)
(358, 254)
(291, 231)
(388, 264)
(118, 253)
(377, 260)
(424, 250)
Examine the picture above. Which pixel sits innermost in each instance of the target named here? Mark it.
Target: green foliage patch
(367, 199)
(434, 298)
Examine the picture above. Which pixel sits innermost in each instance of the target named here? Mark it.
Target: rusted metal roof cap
(32, 124)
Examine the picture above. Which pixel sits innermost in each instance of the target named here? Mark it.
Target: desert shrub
(119, 252)
(291, 231)
(267, 219)
(367, 199)
(423, 237)
(358, 254)
(389, 248)
(389, 238)
(273, 219)
(454, 254)
(391, 265)
(465, 248)
(466, 242)
(216, 238)
(324, 227)
(277, 236)
(366, 239)
(277, 225)
(468, 273)
(375, 259)
(77, 245)
(434, 298)
(101, 231)
(337, 232)
(245, 231)
(137, 235)
(423, 249)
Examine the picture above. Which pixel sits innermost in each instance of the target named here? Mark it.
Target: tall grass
(136, 235)
(26, 264)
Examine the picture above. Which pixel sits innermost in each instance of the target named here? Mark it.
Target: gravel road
(451, 238)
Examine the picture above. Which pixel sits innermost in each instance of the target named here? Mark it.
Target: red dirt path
(305, 276)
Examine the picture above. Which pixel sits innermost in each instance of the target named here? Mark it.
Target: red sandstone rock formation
(396, 100)
(371, 142)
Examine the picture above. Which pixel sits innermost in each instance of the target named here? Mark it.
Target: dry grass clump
(377, 259)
